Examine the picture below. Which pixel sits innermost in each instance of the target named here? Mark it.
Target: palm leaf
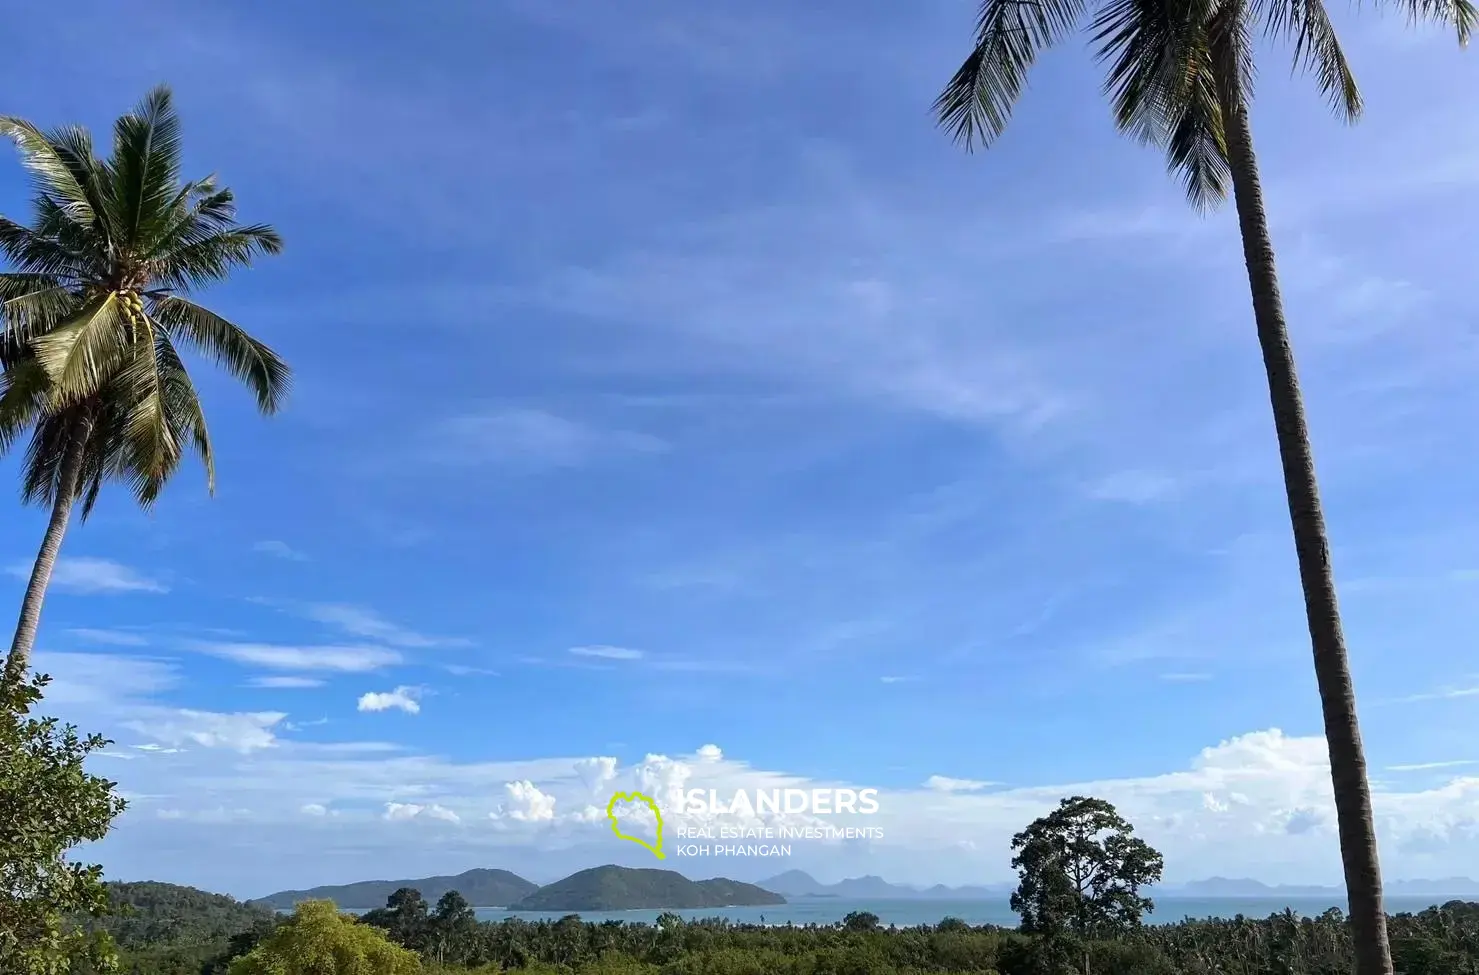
(229, 346)
(977, 103)
(81, 353)
(1162, 84)
(144, 170)
(213, 256)
(62, 163)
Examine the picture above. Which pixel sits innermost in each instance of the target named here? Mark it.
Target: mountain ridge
(481, 886)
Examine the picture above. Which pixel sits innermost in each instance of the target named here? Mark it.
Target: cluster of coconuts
(133, 308)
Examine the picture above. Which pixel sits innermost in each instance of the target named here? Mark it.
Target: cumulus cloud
(403, 697)
(526, 803)
(90, 576)
(314, 809)
(401, 811)
(709, 753)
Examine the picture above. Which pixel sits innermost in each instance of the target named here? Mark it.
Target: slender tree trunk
(51, 544)
(1358, 850)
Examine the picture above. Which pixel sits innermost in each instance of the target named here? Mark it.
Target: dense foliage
(166, 929)
(1438, 941)
(48, 805)
(318, 940)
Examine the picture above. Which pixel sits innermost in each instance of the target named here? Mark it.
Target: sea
(913, 912)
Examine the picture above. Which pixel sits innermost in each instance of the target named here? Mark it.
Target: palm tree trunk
(51, 544)
(1358, 850)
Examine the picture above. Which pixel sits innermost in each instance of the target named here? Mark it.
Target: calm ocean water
(907, 913)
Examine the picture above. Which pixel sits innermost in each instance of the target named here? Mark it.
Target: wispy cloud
(608, 653)
(1443, 694)
(92, 575)
(1424, 766)
(117, 638)
(286, 682)
(1192, 677)
(944, 783)
(340, 659)
(370, 625)
(404, 698)
(532, 439)
(897, 679)
(281, 550)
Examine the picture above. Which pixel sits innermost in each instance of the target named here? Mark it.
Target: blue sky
(666, 379)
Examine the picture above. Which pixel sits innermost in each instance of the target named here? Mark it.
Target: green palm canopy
(96, 310)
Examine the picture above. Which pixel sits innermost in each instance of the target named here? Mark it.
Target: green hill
(481, 888)
(612, 888)
(165, 928)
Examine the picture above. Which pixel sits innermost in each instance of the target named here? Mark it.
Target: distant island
(480, 888)
(1220, 887)
(613, 888)
(798, 883)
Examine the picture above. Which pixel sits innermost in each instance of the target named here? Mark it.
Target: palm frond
(212, 257)
(144, 169)
(37, 253)
(230, 346)
(1316, 48)
(63, 164)
(1162, 84)
(182, 406)
(977, 103)
(150, 451)
(23, 395)
(80, 354)
(32, 304)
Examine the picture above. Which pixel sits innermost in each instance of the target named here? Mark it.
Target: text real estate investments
(793, 802)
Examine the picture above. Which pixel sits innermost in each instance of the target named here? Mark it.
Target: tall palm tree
(1180, 78)
(95, 307)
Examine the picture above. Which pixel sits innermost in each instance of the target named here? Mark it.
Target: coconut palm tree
(1180, 78)
(96, 308)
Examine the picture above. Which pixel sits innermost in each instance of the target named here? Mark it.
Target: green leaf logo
(656, 846)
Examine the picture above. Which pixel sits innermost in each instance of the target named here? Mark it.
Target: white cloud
(709, 753)
(341, 659)
(526, 803)
(243, 731)
(596, 772)
(1185, 677)
(370, 625)
(286, 682)
(281, 550)
(117, 638)
(608, 653)
(894, 679)
(402, 811)
(90, 575)
(404, 698)
(944, 783)
(314, 809)
(1425, 766)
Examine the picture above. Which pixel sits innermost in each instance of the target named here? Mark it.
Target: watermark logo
(656, 845)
